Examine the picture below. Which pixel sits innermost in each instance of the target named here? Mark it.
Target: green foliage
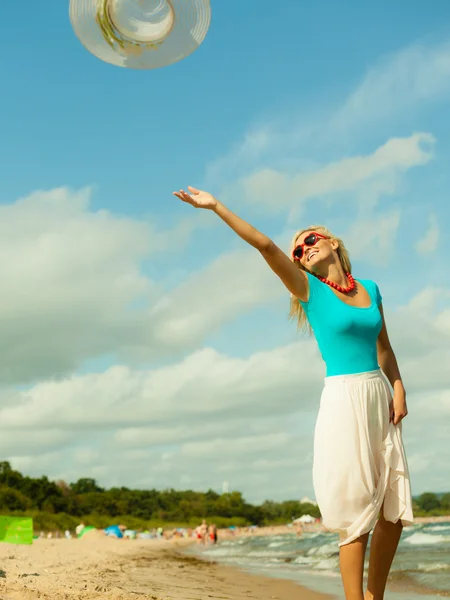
(285, 512)
(445, 501)
(428, 502)
(60, 506)
(13, 499)
(85, 486)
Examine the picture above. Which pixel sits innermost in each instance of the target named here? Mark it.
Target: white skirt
(359, 458)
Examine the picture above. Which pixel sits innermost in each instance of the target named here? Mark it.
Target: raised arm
(293, 278)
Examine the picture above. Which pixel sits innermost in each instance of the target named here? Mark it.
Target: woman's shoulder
(314, 288)
(372, 288)
(369, 282)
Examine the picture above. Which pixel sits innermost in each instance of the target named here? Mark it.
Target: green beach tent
(16, 530)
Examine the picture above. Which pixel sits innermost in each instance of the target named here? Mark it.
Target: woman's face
(317, 253)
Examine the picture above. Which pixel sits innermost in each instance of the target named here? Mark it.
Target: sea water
(421, 566)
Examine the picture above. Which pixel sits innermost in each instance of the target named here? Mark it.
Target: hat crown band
(145, 21)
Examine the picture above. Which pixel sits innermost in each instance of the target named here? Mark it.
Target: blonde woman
(360, 472)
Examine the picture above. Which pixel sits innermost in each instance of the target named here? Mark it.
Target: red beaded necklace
(338, 287)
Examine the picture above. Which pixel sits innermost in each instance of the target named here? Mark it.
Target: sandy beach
(95, 567)
(98, 567)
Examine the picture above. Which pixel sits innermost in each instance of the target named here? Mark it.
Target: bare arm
(388, 364)
(293, 278)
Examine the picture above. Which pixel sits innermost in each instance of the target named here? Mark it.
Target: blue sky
(142, 342)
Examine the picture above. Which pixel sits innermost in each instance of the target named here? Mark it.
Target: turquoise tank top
(346, 335)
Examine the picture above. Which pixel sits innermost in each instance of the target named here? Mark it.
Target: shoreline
(331, 587)
(400, 586)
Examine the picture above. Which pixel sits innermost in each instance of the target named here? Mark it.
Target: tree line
(59, 505)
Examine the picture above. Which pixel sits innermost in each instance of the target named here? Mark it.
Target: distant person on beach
(360, 472)
(212, 534)
(201, 532)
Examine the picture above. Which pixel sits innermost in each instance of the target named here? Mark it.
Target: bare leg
(351, 557)
(383, 546)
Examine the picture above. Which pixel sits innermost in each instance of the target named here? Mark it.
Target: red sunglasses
(310, 240)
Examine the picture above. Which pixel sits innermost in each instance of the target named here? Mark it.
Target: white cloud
(371, 239)
(154, 428)
(67, 277)
(287, 171)
(212, 417)
(73, 288)
(408, 80)
(180, 433)
(242, 447)
(205, 383)
(38, 462)
(38, 440)
(415, 75)
(430, 240)
(212, 297)
(376, 173)
(255, 143)
(420, 332)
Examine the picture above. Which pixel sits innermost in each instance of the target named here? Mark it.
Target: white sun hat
(140, 34)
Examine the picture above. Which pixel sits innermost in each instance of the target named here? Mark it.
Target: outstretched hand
(197, 198)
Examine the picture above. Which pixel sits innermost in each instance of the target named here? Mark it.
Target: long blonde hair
(297, 312)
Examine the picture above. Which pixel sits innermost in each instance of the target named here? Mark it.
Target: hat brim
(192, 21)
